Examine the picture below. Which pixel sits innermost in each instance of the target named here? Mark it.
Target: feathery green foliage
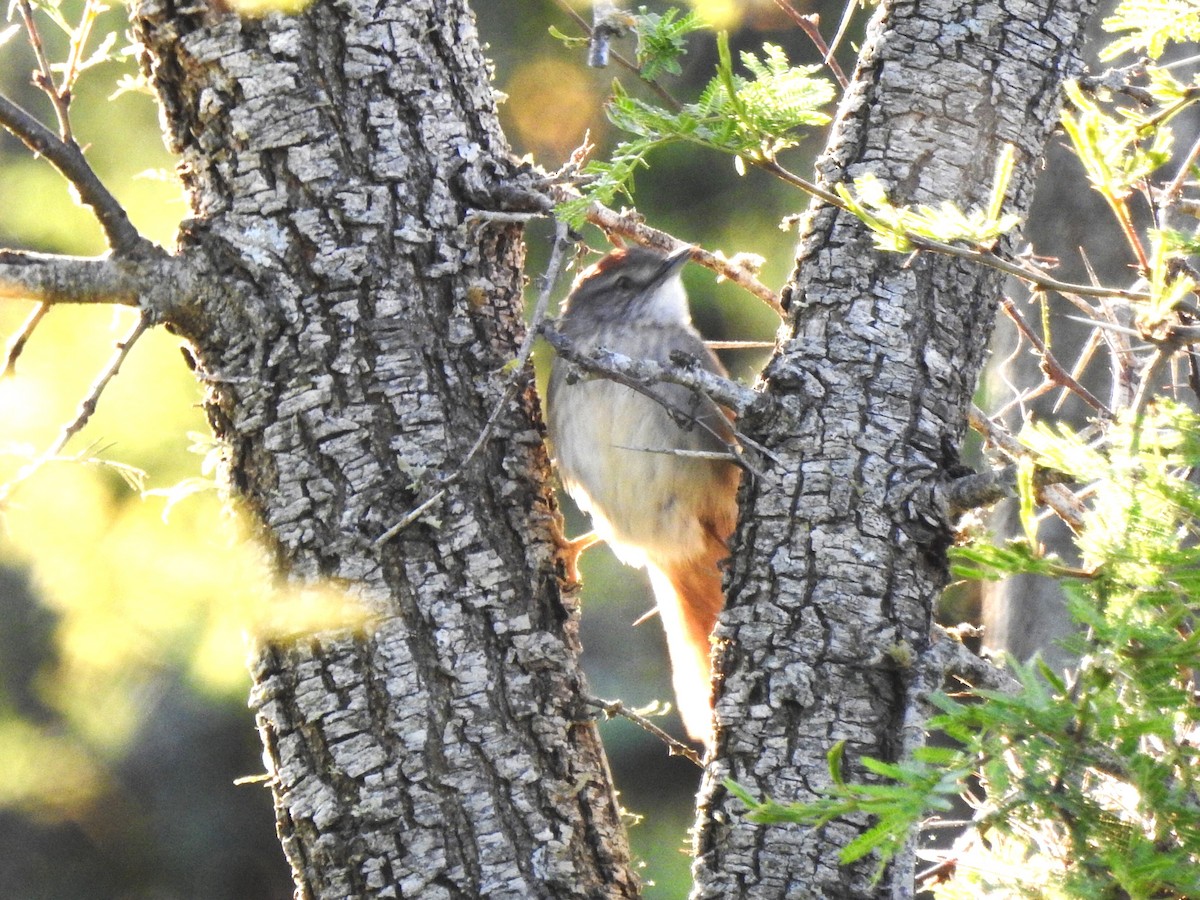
(753, 117)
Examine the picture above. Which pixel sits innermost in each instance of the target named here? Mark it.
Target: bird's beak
(675, 261)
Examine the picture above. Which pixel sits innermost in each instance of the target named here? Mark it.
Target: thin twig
(616, 708)
(810, 26)
(86, 408)
(123, 238)
(1095, 338)
(1145, 392)
(17, 344)
(44, 76)
(549, 279)
(843, 27)
(1064, 503)
(1027, 272)
(79, 39)
(630, 225)
(1050, 364)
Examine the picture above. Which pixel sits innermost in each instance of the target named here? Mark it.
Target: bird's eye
(623, 283)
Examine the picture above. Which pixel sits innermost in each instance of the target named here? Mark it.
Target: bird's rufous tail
(689, 599)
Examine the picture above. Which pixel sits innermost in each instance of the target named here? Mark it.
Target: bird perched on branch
(653, 465)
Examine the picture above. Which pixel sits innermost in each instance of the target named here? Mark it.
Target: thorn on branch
(1051, 367)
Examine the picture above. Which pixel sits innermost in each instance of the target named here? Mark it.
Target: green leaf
(1151, 25)
(661, 40)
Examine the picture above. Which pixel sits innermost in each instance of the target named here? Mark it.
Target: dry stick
(553, 268)
(843, 27)
(17, 345)
(44, 76)
(1064, 503)
(1176, 185)
(617, 708)
(1022, 398)
(809, 25)
(66, 156)
(1026, 273)
(1050, 365)
(1085, 357)
(1145, 391)
(630, 225)
(86, 408)
(87, 19)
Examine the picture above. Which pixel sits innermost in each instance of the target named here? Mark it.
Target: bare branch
(70, 279)
(44, 76)
(1050, 364)
(726, 392)
(17, 345)
(86, 408)
(810, 25)
(1064, 503)
(66, 156)
(617, 708)
(630, 225)
(979, 490)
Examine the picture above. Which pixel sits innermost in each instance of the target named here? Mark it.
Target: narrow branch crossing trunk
(352, 332)
(841, 551)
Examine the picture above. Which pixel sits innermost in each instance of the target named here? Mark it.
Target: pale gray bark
(352, 331)
(841, 552)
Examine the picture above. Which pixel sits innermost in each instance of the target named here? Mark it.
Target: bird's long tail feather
(689, 599)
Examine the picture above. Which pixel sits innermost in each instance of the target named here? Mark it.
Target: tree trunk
(352, 332)
(841, 551)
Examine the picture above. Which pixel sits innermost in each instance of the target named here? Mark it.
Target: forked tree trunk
(353, 333)
(841, 552)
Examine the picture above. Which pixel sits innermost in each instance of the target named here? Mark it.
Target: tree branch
(17, 345)
(86, 408)
(1050, 364)
(631, 225)
(613, 708)
(66, 156)
(604, 362)
(1060, 499)
(71, 279)
(979, 490)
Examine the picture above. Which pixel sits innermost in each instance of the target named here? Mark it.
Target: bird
(655, 469)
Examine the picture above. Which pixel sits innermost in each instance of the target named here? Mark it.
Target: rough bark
(840, 555)
(352, 331)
